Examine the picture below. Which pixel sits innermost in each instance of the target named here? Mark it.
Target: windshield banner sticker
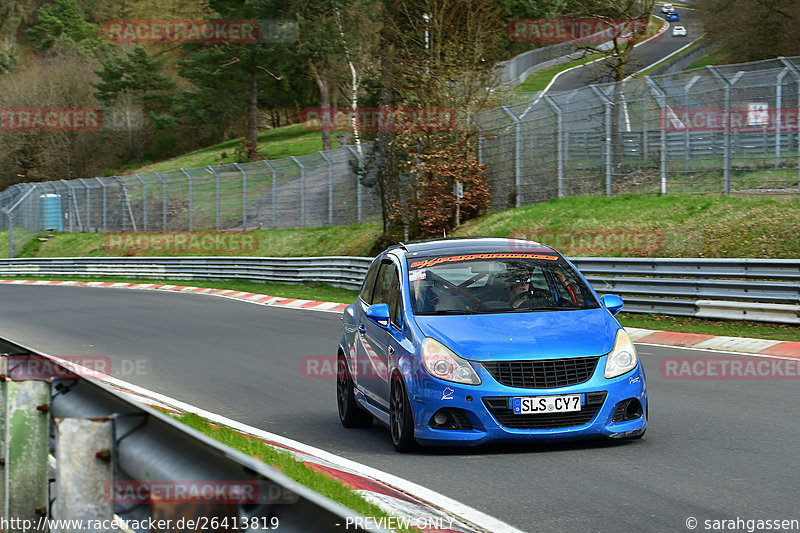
(424, 263)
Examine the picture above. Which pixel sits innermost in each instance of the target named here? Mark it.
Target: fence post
(73, 198)
(796, 71)
(126, 201)
(244, 194)
(10, 233)
(88, 204)
(661, 101)
(330, 186)
(360, 160)
(687, 120)
(644, 128)
(191, 198)
(517, 155)
(216, 175)
(560, 140)
(163, 202)
(609, 141)
(302, 191)
(274, 194)
(726, 185)
(105, 205)
(144, 201)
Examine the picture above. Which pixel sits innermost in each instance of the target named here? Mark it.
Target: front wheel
(401, 418)
(350, 414)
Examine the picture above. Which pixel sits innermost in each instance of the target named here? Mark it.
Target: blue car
(673, 17)
(467, 341)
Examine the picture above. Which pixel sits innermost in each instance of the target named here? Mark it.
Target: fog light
(440, 418)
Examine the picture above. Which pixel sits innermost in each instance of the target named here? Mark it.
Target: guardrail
(111, 452)
(744, 289)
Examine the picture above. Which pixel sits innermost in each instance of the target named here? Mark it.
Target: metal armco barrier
(742, 289)
(105, 444)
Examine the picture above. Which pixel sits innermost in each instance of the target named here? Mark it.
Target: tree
(753, 29)
(134, 83)
(227, 78)
(437, 56)
(63, 25)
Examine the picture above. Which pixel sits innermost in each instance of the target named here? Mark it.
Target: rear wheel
(401, 418)
(350, 414)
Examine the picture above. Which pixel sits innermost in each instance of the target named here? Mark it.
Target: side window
(387, 290)
(369, 282)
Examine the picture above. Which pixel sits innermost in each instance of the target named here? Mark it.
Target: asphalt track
(642, 56)
(714, 450)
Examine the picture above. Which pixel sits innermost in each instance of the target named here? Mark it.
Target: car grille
(505, 416)
(543, 374)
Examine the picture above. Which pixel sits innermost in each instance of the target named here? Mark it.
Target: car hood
(513, 336)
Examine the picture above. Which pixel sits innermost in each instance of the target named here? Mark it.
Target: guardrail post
(560, 134)
(330, 186)
(144, 202)
(105, 204)
(216, 175)
(84, 450)
(661, 100)
(163, 202)
(244, 194)
(517, 155)
(27, 445)
(609, 140)
(191, 198)
(274, 194)
(360, 159)
(302, 190)
(687, 120)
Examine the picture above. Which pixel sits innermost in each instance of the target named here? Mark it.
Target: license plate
(529, 405)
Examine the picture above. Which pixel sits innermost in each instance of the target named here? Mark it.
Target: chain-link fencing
(717, 130)
(731, 129)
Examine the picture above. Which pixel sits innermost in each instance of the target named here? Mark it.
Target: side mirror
(612, 302)
(379, 313)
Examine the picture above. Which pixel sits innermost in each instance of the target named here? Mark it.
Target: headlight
(623, 357)
(442, 363)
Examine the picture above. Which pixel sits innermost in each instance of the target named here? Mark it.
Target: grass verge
(327, 293)
(303, 242)
(291, 140)
(287, 464)
(688, 226)
(739, 328)
(539, 80)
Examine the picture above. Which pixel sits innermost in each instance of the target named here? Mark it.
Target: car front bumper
(430, 395)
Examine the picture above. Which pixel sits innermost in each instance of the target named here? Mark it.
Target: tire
(401, 418)
(350, 413)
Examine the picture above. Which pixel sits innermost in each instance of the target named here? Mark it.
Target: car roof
(475, 245)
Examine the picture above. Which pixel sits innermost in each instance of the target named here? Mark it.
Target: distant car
(667, 8)
(673, 16)
(679, 31)
(460, 342)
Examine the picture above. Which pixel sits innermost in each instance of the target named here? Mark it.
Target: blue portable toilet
(50, 212)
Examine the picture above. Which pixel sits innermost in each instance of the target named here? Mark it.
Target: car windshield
(495, 283)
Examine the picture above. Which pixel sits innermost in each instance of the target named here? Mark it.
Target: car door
(378, 343)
